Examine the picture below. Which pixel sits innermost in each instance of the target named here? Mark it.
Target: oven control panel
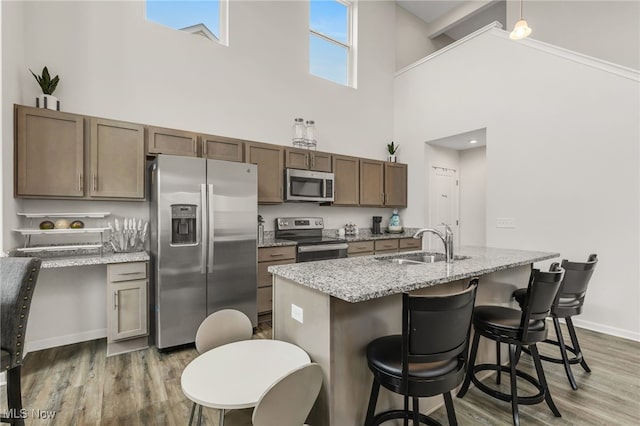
(292, 223)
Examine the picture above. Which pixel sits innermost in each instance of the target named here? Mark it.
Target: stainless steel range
(307, 233)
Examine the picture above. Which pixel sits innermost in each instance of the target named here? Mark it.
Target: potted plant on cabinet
(392, 148)
(48, 86)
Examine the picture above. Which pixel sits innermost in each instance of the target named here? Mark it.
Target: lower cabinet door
(265, 301)
(127, 310)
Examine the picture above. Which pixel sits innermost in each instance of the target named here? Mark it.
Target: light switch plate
(297, 313)
(505, 222)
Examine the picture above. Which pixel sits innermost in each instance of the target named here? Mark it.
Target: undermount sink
(417, 258)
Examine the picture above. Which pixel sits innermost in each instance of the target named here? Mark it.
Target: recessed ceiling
(460, 141)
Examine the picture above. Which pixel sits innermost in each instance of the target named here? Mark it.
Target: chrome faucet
(447, 239)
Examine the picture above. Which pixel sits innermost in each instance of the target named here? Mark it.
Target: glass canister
(299, 131)
(394, 222)
(310, 132)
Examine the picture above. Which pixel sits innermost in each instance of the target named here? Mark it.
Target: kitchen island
(334, 308)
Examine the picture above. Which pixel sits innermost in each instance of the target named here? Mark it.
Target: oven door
(315, 252)
(305, 185)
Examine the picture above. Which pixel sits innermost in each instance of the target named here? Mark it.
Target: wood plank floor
(84, 387)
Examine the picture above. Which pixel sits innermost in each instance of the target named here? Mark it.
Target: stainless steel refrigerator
(203, 243)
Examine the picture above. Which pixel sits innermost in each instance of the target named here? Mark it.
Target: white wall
(412, 39)
(473, 192)
(609, 30)
(562, 156)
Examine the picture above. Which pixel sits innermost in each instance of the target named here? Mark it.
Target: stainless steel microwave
(307, 185)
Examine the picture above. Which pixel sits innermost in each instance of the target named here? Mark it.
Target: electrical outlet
(505, 222)
(297, 313)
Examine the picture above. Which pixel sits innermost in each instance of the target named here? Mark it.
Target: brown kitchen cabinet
(269, 159)
(127, 301)
(117, 159)
(386, 246)
(172, 141)
(347, 180)
(410, 244)
(296, 158)
(371, 182)
(360, 248)
(222, 148)
(269, 256)
(49, 153)
(395, 185)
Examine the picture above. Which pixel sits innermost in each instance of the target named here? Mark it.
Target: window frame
(350, 46)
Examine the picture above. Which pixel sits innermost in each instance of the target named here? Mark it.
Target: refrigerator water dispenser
(183, 224)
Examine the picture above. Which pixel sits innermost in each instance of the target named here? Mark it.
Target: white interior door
(444, 201)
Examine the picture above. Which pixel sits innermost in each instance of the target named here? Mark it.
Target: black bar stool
(518, 329)
(18, 276)
(427, 359)
(568, 303)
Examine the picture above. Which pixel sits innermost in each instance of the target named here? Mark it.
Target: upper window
(206, 18)
(331, 40)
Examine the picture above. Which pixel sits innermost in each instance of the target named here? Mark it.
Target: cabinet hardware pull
(115, 299)
(313, 160)
(95, 182)
(128, 273)
(308, 157)
(81, 183)
(386, 197)
(277, 254)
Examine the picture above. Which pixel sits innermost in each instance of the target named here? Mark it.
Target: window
(331, 40)
(207, 18)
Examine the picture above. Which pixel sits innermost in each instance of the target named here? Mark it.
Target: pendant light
(521, 29)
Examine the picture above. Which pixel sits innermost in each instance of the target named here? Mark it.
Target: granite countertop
(51, 262)
(364, 234)
(358, 279)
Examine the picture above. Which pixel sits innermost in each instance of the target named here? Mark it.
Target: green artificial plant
(392, 148)
(47, 84)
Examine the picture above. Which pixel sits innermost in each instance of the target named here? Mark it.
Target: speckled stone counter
(362, 278)
(365, 234)
(271, 241)
(51, 262)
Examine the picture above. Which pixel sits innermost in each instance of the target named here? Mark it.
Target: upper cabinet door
(347, 180)
(321, 161)
(295, 158)
(170, 141)
(221, 148)
(395, 185)
(269, 159)
(371, 182)
(117, 159)
(49, 153)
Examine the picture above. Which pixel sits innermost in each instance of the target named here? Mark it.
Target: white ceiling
(460, 141)
(429, 10)
(467, 15)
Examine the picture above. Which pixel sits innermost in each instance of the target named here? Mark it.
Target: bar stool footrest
(577, 359)
(401, 414)
(522, 400)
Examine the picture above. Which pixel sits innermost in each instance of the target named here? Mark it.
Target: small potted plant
(392, 148)
(48, 86)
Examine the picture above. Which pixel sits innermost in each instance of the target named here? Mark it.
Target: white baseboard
(52, 342)
(613, 331)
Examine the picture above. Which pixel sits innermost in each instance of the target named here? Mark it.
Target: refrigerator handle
(203, 228)
(211, 228)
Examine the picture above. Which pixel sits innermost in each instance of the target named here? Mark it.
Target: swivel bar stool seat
(568, 303)
(427, 359)
(518, 329)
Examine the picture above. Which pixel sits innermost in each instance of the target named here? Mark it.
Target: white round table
(237, 374)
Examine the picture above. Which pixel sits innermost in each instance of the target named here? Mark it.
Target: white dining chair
(290, 399)
(220, 328)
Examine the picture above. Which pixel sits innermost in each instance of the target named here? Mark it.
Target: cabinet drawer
(264, 277)
(360, 247)
(364, 253)
(276, 253)
(407, 244)
(127, 271)
(384, 245)
(265, 301)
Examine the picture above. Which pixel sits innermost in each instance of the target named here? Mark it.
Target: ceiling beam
(457, 15)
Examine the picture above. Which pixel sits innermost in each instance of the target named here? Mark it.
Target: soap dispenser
(394, 222)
